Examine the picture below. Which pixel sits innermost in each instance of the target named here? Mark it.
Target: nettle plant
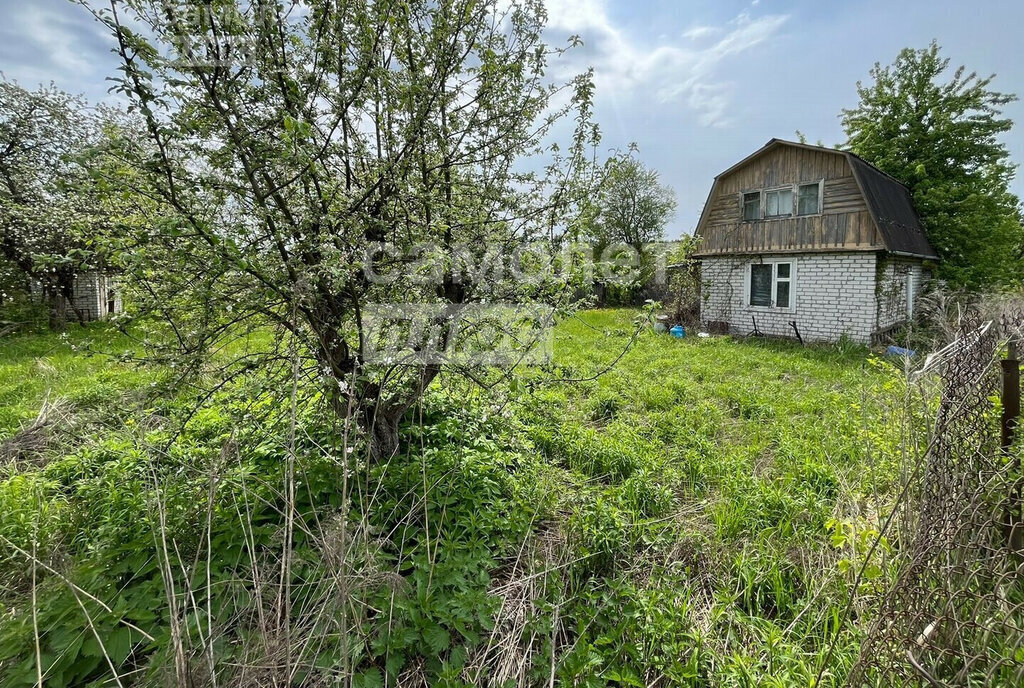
(308, 157)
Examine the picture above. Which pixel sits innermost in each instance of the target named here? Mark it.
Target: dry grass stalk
(29, 445)
(510, 652)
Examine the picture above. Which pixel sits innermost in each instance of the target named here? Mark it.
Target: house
(810, 239)
(96, 297)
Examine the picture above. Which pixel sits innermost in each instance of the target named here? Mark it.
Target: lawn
(76, 368)
(689, 516)
(723, 485)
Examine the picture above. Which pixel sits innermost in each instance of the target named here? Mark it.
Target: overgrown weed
(681, 520)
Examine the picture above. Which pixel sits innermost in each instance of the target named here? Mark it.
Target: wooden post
(1008, 428)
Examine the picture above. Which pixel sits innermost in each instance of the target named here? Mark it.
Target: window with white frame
(771, 285)
(783, 280)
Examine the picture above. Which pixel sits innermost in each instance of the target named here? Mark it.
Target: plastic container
(900, 351)
(678, 332)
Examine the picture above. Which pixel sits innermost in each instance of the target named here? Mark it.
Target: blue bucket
(900, 351)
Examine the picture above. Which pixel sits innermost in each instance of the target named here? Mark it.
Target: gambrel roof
(888, 201)
(891, 207)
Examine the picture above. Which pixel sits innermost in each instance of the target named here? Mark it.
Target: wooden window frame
(792, 201)
(774, 262)
(743, 205)
(821, 198)
(795, 189)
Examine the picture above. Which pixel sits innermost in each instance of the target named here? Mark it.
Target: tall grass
(687, 518)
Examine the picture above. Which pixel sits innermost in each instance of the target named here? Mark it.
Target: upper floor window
(809, 199)
(787, 201)
(778, 203)
(752, 206)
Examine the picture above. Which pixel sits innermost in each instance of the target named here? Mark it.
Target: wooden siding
(843, 196)
(828, 232)
(844, 223)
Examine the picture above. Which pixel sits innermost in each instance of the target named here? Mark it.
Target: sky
(696, 84)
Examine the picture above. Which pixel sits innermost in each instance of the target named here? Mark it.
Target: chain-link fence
(954, 615)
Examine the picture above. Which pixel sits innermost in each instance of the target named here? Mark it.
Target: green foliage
(54, 214)
(718, 533)
(598, 537)
(940, 136)
(690, 517)
(682, 292)
(24, 313)
(78, 369)
(624, 225)
(632, 206)
(121, 518)
(645, 495)
(406, 141)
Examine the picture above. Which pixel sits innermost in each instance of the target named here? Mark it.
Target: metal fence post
(1008, 427)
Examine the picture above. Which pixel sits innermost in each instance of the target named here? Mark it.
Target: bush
(598, 540)
(23, 314)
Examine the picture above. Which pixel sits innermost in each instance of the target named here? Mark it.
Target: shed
(800, 237)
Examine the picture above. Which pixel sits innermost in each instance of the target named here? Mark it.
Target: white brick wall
(92, 295)
(833, 295)
(89, 295)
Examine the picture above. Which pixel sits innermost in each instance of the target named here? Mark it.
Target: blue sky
(696, 84)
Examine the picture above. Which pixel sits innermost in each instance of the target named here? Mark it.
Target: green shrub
(598, 540)
(644, 496)
(767, 585)
(605, 408)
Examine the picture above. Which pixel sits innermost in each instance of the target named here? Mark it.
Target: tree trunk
(381, 419)
(383, 437)
(79, 313)
(58, 312)
(377, 416)
(380, 427)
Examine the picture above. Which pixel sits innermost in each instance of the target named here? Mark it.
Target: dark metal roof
(893, 210)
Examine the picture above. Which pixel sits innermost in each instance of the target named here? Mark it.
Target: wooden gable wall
(844, 224)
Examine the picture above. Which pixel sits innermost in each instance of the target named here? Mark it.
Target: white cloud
(697, 33)
(50, 40)
(58, 36)
(683, 72)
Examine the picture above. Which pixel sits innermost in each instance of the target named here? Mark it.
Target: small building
(96, 297)
(798, 237)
